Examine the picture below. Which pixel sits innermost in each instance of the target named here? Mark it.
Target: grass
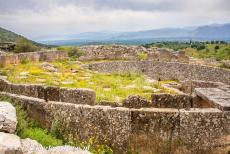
(29, 128)
(210, 51)
(142, 56)
(108, 87)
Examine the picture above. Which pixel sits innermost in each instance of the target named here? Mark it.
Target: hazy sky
(38, 19)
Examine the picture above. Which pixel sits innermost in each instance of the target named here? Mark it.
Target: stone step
(215, 96)
(8, 119)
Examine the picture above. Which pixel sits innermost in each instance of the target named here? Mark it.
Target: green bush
(73, 52)
(28, 128)
(42, 136)
(142, 56)
(25, 46)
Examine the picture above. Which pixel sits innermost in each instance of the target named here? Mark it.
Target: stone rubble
(121, 52)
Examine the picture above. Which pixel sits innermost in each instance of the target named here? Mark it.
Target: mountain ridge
(201, 33)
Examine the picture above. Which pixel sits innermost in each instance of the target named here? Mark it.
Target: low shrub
(142, 56)
(25, 46)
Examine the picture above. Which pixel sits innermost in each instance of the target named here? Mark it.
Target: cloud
(41, 18)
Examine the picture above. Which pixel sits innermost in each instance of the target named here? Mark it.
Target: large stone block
(200, 128)
(78, 96)
(3, 85)
(171, 101)
(135, 101)
(52, 94)
(85, 122)
(154, 130)
(8, 120)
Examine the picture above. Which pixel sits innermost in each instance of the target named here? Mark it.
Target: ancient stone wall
(32, 56)
(49, 93)
(145, 130)
(165, 70)
(119, 52)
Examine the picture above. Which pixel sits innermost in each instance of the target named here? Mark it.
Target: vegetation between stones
(30, 128)
(72, 74)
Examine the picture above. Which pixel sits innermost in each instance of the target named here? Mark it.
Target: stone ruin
(195, 121)
(119, 52)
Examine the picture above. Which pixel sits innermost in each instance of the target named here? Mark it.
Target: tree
(217, 47)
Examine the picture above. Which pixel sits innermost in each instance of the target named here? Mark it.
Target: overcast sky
(37, 19)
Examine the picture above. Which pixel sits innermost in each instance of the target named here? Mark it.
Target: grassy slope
(110, 87)
(223, 53)
(8, 36)
(209, 51)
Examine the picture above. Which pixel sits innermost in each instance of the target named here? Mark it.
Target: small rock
(10, 144)
(74, 71)
(30, 146)
(24, 73)
(49, 67)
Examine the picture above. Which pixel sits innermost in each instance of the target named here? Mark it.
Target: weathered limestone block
(31, 91)
(78, 96)
(10, 144)
(41, 90)
(216, 97)
(154, 130)
(189, 86)
(200, 128)
(30, 146)
(52, 94)
(8, 120)
(17, 89)
(171, 101)
(3, 85)
(100, 122)
(135, 101)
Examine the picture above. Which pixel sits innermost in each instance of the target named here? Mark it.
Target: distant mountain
(201, 33)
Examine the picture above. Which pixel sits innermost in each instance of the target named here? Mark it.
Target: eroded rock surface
(10, 144)
(8, 120)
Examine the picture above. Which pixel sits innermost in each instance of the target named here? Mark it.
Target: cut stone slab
(10, 144)
(8, 119)
(215, 96)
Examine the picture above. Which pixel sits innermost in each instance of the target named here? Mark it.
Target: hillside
(9, 39)
(8, 36)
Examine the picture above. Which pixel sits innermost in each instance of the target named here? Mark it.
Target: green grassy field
(220, 52)
(213, 49)
(108, 87)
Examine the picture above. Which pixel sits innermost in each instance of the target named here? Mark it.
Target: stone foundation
(119, 52)
(165, 70)
(32, 56)
(142, 130)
